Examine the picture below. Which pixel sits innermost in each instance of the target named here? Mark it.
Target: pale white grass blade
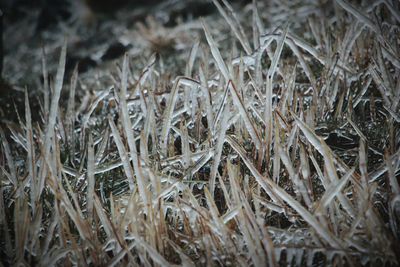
(308, 217)
(364, 89)
(257, 26)
(53, 222)
(73, 211)
(363, 164)
(50, 131)
(276, 167)
(102, 95)
(333, 177)
(304, 162)
(325, 182)
(153, 254)
(218, 223)
(395, 12)
(215, 52)
(268, 119)
(230, 215)
(220, 109)
(207, 99)
(249, 237)
(9, 158)
(395, 115)
(9, 247)
(271, 206)
(306, 68)
(274, 190)
(287, 95)
(35, 229)
(259, 178)
(393, 181)
(381, 86)
(192, 58)
(277, 54)
(301, 189)
(185, 260)
(315, 140)
(46, 88)
(218, 149)
(31, 154)
(387, 78)
(90, 178)
(123, 155)
(168, 114)
(332, 191)
(359, 14)
(70, 115)
(316, 54)
(250, 126)
(118, 257)
(258, 228)
(351, 36)
(391, 55)
(234, 24)
(55, 256)
(126, 122)
(235, 188)
(325, 151)
(200, 163)
(55, 98)
(186, 153)
(180, 132)
(104, 219)
(101, 151)
(21, 226)
(394, 215)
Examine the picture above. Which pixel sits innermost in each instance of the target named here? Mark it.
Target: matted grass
(272, 146)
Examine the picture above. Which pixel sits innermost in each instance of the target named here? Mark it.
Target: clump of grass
(224, 166)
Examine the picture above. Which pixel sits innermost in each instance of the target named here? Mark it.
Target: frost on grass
(273, 145)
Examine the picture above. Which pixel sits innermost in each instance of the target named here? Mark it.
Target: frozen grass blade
(186, 153)
(31, 154)
(268, 116)
(274, 190)
(325, 151)
(215, 52)
(206, 95)
(50, 131)
(169, 112)
(300, 187)
(250, 126)
(234, 24)
(393, 181)
(10, 161)
(187, 198)
(360, 15)
(123, 155)
(219, 146)
(70, 117)
(277, 160)
(278, 51)
(192, 58)
(333, 191)
(90, 178)
(126, 122)
(46, 88)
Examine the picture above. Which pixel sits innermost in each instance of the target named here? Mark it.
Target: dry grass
(282, 150)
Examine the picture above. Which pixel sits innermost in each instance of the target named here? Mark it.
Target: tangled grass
(272, 146)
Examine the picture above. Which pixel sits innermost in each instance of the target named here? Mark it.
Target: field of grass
(265, 134)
